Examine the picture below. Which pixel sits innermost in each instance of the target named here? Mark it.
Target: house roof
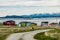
(10, 21)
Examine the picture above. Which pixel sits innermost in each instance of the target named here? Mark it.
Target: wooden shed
(59, 23)
(53, 24)
(24, 24)
(44, 23)
(33, 24)
(10, 23)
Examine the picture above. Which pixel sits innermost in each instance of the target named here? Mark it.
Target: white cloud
(30, 3)
(51, 6)
(29, 10)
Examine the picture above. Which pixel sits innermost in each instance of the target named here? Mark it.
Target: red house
(10, 23)
(53, 24)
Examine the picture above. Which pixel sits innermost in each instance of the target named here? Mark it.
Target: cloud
(30, 3)
(28, 10)
(18, 7)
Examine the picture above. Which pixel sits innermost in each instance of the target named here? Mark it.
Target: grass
(3, 36)
(55, 30)
(6, 31)
(41, 36)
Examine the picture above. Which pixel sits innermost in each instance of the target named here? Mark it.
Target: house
(53, 24)
(33, 24)
(10, 23)
(23, 24)
(44, 23)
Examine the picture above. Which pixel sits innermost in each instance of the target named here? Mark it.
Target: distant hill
(34, 16)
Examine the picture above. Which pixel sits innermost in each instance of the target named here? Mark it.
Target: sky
(27, 7)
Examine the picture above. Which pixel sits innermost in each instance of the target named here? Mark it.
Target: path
(25, 35)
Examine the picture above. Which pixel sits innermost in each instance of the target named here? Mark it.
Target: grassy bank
(42, 36)
(50, 35)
